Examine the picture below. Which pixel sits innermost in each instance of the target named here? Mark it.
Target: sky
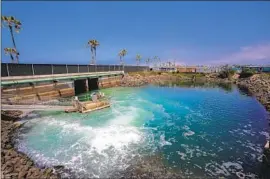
(191, 33)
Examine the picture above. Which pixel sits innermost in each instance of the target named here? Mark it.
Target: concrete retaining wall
(48, 91)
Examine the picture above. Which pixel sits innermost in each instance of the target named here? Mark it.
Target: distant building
(186, 69)
(169, 69)
(266, 69)
(258, 69)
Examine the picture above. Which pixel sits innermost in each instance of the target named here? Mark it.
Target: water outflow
(198, 131)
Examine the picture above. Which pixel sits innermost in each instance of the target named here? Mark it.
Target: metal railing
(11, 69)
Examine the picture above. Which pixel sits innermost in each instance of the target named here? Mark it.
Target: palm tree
(11, 51)
(138, 59)
(93, 44)
(11, 22)
(122, 54)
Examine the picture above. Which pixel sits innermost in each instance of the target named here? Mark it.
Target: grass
(148, 73)
(190, 75)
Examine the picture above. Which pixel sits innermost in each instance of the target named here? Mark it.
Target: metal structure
(7, 81)
(11, 69)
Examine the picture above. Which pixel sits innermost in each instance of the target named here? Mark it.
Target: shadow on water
(244, 91)
(228, 87)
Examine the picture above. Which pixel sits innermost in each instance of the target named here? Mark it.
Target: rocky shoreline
(15, 164)
(259, 86)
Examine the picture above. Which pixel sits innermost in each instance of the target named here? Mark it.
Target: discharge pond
(206, 131)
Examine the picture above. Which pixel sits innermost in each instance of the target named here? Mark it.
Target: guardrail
(11, 69)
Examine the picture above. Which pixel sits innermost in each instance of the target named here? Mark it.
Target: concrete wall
(11, 69)
(27, 94)
(109, 82)
(41, 92)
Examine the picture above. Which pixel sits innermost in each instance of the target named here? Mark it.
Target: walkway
(34, 107)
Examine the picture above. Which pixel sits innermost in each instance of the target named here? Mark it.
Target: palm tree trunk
(93, 58)
(12, 58)
(12, 36)
(13, 41)
(95, 50)
(17, 58)
(123, 64)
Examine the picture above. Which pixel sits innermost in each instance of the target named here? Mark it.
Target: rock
(34, 173)
(10, 115)
(8, 167)
(17, 124)
(23, 161)
(58, 167)
(29, 163)
(22, 174)
(8, 146)
(7, 157)
(47, 172)
(11, 175)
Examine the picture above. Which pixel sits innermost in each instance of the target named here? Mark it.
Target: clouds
(256, 54)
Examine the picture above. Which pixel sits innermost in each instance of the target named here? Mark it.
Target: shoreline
(19, 165)
(15, 164)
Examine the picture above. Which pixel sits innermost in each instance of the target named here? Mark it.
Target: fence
(11, 69)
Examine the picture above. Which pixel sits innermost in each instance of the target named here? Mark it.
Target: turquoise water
(200, 130)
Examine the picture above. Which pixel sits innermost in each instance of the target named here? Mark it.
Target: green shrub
(247, 73)
(226, 73)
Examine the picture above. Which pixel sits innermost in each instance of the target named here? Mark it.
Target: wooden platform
(84, 107)
(97, 108)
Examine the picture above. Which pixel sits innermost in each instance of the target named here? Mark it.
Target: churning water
(203, 131)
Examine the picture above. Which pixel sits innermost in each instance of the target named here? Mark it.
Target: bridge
(13, 80)
(27, 84)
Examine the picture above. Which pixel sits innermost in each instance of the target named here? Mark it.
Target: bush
(247, 73)
(226, 73)
(159, 73)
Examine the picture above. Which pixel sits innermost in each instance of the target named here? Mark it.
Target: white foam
(104, 148)
(266, 134)
(240, 175)
(182, 155)
(116, 137)
(189, 133)
(215, 169)
(163, 142)
(232, 165)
